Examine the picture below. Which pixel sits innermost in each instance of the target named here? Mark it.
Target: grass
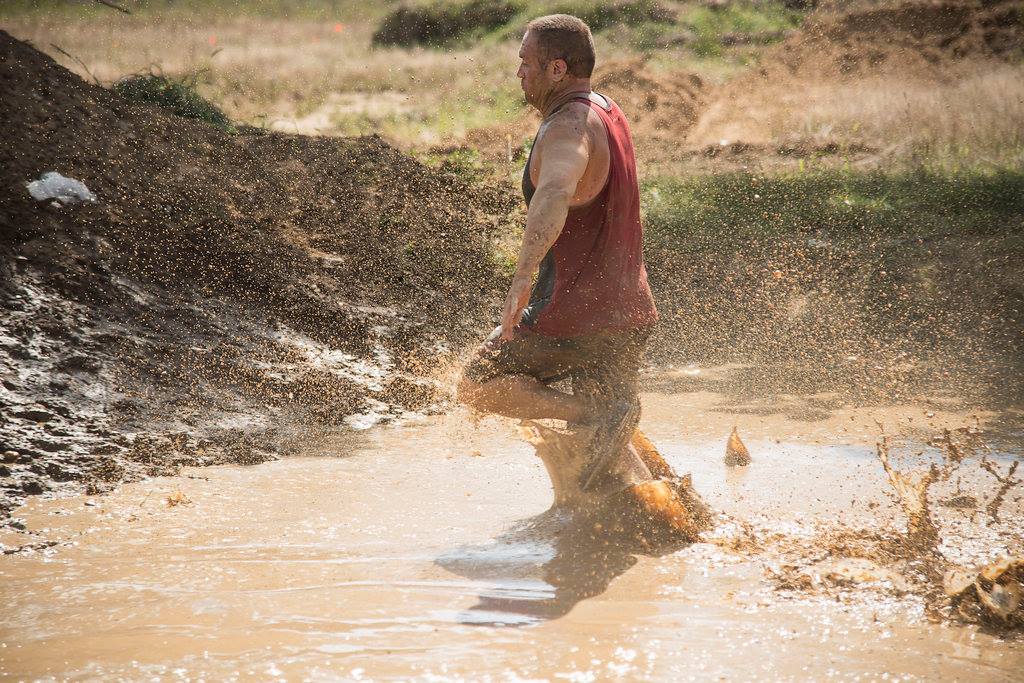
(350, 10)
(713, 28)
(977, 116)
(178, 95)
(446, 23)
(602, 14)
(726, 211)
(972, 118)
(304, 74)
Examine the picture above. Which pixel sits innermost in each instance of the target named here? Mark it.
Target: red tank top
(593, 278)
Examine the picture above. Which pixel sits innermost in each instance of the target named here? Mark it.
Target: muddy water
(420, 552)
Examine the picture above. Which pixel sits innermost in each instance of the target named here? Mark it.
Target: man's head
(557, 51)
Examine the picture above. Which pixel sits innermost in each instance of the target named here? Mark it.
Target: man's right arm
(564, 156)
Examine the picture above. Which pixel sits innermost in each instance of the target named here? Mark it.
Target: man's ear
(558, 69)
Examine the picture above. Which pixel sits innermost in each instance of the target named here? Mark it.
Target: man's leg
(509, 378)
(521, 396)
(611, 388)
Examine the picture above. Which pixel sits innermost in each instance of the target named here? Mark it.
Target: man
(588, 316)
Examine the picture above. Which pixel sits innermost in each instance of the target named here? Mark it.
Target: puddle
(398, 553)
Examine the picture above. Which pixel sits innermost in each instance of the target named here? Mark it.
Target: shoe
(611, 437)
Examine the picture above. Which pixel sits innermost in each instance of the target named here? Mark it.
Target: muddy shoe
(611, 437)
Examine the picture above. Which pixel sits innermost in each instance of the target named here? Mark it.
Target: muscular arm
(564, 154)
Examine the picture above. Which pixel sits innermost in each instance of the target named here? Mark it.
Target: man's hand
(515, 303)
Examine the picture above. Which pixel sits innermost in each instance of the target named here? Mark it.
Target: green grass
(176, 94)
(602, 14)
(444, 23)
(725, 211)
(709, 25)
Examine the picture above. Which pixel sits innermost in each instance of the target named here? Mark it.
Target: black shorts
(601, 367)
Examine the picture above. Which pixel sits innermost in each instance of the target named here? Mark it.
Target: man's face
(537, 76)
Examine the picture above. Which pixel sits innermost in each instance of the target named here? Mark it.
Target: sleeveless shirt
(593, 278)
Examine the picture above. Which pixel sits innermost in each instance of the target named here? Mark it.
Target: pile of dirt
(912, 38)
(661, 107)
(224, 293)
(752, 117)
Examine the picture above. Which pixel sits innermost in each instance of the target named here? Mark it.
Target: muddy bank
(222, 288)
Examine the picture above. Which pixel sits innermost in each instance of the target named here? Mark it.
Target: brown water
(416, 552)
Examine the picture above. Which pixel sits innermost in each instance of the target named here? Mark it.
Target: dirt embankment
(222, 289)
(840, 62)
(661, 107)
(926, 39)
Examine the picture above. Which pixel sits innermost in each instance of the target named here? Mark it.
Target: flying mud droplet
(736, 454)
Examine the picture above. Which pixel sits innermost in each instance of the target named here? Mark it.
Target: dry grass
(978, 117)
(315, 77)
(323, 77)
(975, 117)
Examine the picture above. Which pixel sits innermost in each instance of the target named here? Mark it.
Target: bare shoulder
(575, 120)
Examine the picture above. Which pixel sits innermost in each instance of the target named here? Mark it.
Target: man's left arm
(564, 156)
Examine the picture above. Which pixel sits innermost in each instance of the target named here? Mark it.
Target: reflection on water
(539, 569)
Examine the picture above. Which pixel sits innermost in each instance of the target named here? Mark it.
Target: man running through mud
(589, 313)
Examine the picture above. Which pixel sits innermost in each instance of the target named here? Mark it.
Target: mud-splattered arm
(564, 153)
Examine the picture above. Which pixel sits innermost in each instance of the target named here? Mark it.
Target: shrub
(602, 14)
(438, 22)
(180, 96)
(723, 211)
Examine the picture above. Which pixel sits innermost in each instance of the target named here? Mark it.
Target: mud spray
(661, 515)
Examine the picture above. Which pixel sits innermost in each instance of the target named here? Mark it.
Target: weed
(602, 14)
(715, 27)
(178, 95)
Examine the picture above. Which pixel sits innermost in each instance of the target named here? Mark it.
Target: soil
(223, 288)
(912, 38)
(661, 108)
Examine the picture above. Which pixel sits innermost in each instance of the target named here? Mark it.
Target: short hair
(565, 37)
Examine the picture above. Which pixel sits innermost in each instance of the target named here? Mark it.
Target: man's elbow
(556, 195)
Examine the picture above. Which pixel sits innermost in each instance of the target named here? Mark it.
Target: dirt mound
(659, 106)
(914, 37)
(833, 86)
(220, 284)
